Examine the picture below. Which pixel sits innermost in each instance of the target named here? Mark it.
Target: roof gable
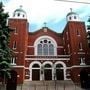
(45, 31)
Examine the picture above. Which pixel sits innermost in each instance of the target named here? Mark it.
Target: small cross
(45, 24)
(71, 9)
(21, 6)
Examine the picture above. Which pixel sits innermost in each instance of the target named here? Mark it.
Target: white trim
(44, 59)
(49, 62)
(30, 46)
(16, 66)
(16, 52)
(64, 68)
(51, 55)
(45, 37)
(76, 66)
(33, 46)
(80, 66)
(13, 61)
(13, 64)
(30, 68)
(26, 75)
(60, 46)
(81, 52)
(26, 67)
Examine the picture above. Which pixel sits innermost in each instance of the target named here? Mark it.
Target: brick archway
(61, 70)
(35, 70)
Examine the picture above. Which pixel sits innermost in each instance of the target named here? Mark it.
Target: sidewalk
(49, 85)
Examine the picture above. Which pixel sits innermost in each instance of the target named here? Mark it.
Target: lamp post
(55, 77)
(42, 72)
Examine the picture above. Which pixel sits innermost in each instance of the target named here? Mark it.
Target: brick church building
(46, 54)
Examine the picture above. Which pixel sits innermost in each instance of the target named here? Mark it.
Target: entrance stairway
(48, 82)
(49, 85)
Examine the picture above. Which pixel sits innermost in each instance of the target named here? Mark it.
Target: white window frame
(80, 46)
(82, 61)
(14, 44)
(43, 38)
(13, 61)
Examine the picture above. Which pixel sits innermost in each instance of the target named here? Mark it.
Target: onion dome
(19, 13)
(72, 16)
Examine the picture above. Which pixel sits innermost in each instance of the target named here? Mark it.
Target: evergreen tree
(88, 26)
(5, 52)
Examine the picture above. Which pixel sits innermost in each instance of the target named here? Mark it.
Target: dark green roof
(71, 13)
(20, 10)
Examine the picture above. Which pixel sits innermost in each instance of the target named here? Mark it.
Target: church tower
(72, 16)
(75, 43)
(18, 41)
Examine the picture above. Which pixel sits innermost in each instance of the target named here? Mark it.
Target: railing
(48, 56)
(58, 57)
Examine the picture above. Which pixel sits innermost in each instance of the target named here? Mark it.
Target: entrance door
(48, 74)
(85, 83)
(35, 74)
(12, 82)
(59, 74)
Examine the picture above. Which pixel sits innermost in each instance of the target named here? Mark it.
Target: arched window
(47, 66)
(45, 49)
(51, 49)
(70, 18)
(75, 17)
(39, 49)
(59, 66)
(35, 66)
(45, 46)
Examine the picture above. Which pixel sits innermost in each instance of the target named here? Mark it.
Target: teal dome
(19, 13)
(20, 10)
(71, 13)
(72, 16)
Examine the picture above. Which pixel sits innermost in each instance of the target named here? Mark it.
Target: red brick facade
(69, 51)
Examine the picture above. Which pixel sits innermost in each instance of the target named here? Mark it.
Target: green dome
(19, 10)
(71, 13)
(19, 13)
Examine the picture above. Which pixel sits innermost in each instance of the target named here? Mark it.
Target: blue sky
(50, 11)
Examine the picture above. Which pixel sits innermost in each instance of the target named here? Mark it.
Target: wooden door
(48, 74)
(36, 74)
(59, 74)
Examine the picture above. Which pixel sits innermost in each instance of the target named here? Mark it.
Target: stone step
(48, 82)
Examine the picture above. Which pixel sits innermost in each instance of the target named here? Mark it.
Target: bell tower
(72, 16)
(75, 44)
(18, 41)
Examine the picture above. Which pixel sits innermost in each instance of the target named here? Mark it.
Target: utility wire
(73, 1)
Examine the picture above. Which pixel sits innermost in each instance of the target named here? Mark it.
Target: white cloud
(39, 11)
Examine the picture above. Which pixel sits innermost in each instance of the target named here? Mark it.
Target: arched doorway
(59, 72)
(47, 72)
(35, 72)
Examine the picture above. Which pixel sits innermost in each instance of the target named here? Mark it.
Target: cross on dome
(21, 6)
(20, 13)
(45, 24)
(72, 16)
(71, 9)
